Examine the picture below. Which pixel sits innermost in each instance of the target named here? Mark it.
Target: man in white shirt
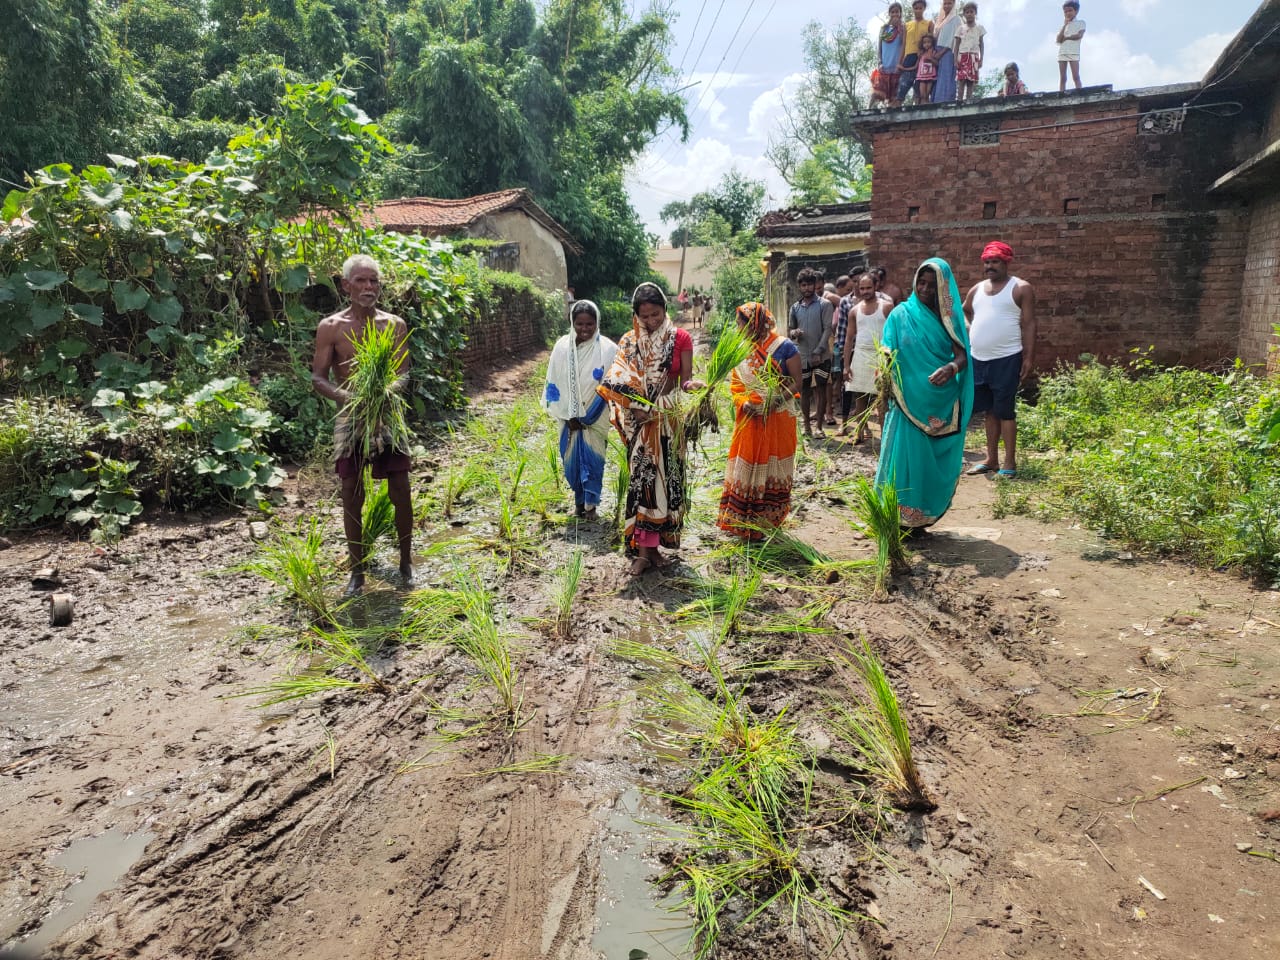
(1002, 340)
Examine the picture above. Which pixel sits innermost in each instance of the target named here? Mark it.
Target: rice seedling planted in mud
(463, 616)
(295, 563)
(566, 591)
(869, 719)
(332, 648)
(377, 408)
(379, 515)
(877, 511)
(779, 552)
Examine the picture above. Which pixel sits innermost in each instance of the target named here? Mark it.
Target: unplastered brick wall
(1260, 309)
(514, 328)
(1113, 228)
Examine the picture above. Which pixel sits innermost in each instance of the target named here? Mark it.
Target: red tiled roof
(433, 215)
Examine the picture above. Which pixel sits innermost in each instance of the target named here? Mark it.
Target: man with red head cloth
(1002, 341)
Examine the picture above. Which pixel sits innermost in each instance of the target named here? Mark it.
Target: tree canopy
(478, 95)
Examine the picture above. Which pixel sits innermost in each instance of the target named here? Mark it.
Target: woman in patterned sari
(654, 360)
(757, 478)
(930, 382)
(578, 362)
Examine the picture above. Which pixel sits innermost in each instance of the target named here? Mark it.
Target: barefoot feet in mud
(354, 587)
(406, 578)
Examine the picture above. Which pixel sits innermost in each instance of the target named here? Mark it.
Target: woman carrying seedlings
(578, 362)
(654, 360)
(765, 386)
(926, 372)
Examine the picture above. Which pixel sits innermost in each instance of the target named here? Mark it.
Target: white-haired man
(330, 371)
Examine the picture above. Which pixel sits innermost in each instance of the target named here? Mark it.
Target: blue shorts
(995, 385)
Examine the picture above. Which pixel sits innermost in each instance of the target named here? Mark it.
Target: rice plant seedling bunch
(877, 511)
(295, 563)
(723, 603)
(870, 720)
(333, 648)
(484, 643)
(379, 515)
(377, 407)
(566, 591)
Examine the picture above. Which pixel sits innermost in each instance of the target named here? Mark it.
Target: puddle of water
(68, 695)
(102, 860)
(630, 917)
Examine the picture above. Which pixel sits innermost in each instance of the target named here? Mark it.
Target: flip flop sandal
(1006, 474)
(978, 469)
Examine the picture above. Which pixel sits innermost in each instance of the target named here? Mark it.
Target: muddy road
(1101, 735)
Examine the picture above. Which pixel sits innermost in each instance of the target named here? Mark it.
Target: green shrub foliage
(143, 296)
(1172, 461)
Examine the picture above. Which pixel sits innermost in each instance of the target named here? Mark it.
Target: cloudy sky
(744, 60)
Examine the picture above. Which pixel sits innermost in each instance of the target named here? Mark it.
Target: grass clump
(339, 662)
(869, 719)
(1169, 461)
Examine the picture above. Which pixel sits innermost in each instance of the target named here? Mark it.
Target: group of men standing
(1000, 311)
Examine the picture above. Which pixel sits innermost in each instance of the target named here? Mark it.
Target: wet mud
(148, 809)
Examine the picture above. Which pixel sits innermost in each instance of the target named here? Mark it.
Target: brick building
(831, 237)
(1144, 218)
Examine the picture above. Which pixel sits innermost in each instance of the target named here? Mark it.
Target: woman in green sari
(930, 386)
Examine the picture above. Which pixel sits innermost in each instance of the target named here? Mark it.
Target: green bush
(303, 421)
(1172, 461)
(40, 439)
(615, 318)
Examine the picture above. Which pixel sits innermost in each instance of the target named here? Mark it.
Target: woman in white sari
(578, 363)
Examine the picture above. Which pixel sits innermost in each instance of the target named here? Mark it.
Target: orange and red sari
(757, 478)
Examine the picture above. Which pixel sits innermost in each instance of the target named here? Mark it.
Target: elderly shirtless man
(362, 283)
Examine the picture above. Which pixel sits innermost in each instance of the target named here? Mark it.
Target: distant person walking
(945, 25)
(809, 325)
(577, 365)
(1002, 316)
(1069, 45)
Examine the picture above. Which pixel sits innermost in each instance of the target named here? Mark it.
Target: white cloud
(705, 96)
(664, 174)
(767, 109)
(1107, 58)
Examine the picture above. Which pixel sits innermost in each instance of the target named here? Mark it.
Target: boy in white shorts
(1069, 45)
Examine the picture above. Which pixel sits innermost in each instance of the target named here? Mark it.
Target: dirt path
(212, 829)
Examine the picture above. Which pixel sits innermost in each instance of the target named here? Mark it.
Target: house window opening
(989, 210)
(1071, 206)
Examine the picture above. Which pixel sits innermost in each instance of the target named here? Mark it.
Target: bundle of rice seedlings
(732, 347)
(485, 644)
(723, 603)
(621, 484)
(379, 516)
(877, 512)
(376, 408)
(870, 720)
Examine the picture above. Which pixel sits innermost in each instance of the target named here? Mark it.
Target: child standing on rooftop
(1069, 45)
(969, 49)
(926, 70)
(892, 42)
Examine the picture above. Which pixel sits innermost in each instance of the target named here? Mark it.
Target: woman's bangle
(685, 386)
(955, 368)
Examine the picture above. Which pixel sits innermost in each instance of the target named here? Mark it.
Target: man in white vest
(1002, 341)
